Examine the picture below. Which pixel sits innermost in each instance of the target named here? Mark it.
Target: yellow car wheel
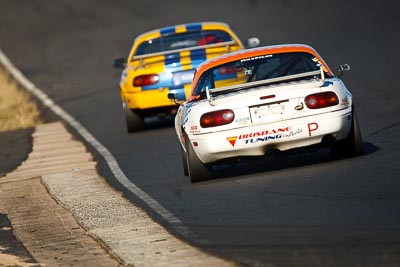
(134, 122)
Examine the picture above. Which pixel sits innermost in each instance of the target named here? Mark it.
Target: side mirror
(343, 68)
(119, 63)
(252, 42)
(174, 97)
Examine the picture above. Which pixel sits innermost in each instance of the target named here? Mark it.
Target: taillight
(321, 100)
(226, 70)
(217, 118)
(144, 80)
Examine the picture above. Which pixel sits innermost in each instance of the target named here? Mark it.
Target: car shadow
(276, 161)
(157, 123)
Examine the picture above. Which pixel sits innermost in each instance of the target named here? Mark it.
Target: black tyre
(356, 147)
(197, 170)
(353, 144)
(184, 162)
(134, 122)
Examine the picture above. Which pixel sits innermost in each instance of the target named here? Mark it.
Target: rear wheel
(197, 170)
(184, 162)
(353, 144)
(133, 121)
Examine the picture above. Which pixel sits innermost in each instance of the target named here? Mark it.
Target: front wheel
(197, 170)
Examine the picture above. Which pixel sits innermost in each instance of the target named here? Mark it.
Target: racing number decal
(313, 126)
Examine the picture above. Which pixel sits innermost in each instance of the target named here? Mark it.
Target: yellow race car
(163, 61)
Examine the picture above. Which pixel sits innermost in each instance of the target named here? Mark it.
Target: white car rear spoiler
(266, 82)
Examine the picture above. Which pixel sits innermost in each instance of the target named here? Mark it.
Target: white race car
(249, 102)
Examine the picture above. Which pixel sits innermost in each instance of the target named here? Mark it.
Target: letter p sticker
(312, 127)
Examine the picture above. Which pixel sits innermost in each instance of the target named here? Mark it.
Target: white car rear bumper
(283, 135)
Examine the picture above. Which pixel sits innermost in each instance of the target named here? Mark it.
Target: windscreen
(181, 41)
(257, 68)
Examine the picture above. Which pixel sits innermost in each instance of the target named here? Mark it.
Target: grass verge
(17, 108)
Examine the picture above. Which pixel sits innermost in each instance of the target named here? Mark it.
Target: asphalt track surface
(304, 209)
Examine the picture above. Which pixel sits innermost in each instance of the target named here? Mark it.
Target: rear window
(258, 68)
(181, 41)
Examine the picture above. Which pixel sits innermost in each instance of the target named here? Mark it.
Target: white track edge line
(100, 148)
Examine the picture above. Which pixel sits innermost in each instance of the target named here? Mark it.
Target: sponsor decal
(255, 58)
(292, 133)
(319, 64)
(242, 121)
(327, 83)
(262, 136)
(194, 129)
(345, 102)
(232, 140)
(264, 133)
(187, 109)
(262, 139)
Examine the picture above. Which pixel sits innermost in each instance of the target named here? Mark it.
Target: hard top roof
(254, 52)
(193, 26)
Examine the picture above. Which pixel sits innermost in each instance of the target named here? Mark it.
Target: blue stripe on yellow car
(172, 58)
(167, 30)
(198, 55)
(193, 27)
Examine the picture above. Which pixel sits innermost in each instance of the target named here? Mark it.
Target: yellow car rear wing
(164, 53)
